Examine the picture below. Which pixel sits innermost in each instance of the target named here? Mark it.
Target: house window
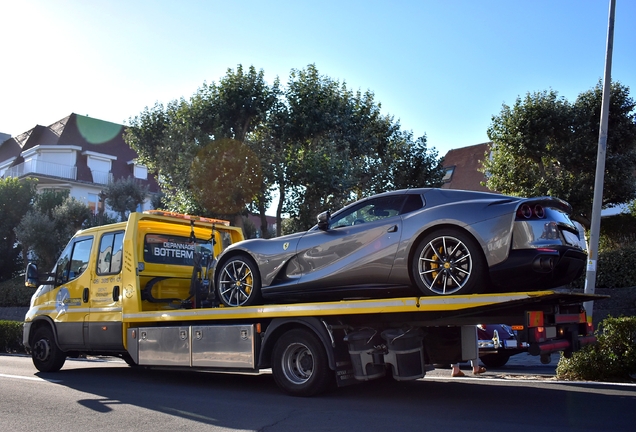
(139, 171)
(448, 175)
(94, 204)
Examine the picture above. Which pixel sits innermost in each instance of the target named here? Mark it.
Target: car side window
(413, 202)
(110, 253)
(73, 261)
(369, 211)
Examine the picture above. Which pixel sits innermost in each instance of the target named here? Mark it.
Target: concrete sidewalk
(522, 365)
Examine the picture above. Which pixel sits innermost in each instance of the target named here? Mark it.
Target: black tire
(449, 261)
(300, 365)
(495, 360)
(46, 355)
(238, 282)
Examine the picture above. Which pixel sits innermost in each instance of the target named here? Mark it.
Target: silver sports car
(426, 241)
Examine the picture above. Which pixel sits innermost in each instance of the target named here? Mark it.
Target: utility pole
(590, 276)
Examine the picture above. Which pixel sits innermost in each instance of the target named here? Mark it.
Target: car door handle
(392, 229)
(116, 293)
(85, 295)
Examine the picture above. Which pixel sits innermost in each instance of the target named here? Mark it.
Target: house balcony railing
(102, 177)
(55, 170)
(44, 168)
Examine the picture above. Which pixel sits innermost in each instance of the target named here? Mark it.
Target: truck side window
(172, 249)
(73, 261)
(110, 252)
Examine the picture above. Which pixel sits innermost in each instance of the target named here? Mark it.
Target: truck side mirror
(31, 276)
(323, 220)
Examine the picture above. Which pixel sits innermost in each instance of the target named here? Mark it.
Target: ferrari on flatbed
(433, 242)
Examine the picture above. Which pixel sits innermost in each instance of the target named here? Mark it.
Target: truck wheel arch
(42, 321)
(279, 326)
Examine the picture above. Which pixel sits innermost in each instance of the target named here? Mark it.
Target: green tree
(16, 198)
(339, 147)
(46, 229)
(544, 145)
(48, 200)
(317, 143)
(71, 215)
(169, 139)
(124, 196)
(38, 233)
(230, 167)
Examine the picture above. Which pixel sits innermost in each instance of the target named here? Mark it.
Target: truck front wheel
(300, 365)
(47, 356)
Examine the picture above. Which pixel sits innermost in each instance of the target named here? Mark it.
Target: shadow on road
(249, 401)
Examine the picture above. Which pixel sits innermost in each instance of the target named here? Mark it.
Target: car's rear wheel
(238, 282)
(448, 261)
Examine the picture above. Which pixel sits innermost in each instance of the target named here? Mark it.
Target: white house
(79, 154)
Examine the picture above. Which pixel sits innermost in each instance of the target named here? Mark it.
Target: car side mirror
(31, 276)
(323, 220)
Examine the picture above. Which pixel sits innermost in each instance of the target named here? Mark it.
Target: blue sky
(443, 68)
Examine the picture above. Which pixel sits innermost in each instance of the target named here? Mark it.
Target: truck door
(104, 323)
(72, 282)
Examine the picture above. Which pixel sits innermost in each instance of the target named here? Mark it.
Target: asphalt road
(110, 396)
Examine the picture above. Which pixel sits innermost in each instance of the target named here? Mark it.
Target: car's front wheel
(448, 261)
(238, 282)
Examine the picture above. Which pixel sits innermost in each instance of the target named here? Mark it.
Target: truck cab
(154, 261)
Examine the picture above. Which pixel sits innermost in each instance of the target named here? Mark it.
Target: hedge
(11, 337)
(612, 358)
(13, 293)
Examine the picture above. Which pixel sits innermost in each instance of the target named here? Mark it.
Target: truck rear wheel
(300, 365)
(46, 355)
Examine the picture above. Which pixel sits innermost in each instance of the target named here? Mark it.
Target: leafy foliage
(317, 143)
(11, 337)
(46, 229)
(13, 293)
(545, 145)
(615, 268)
(613, 358)
(124, 196)
(16, 197)
(617, 231)
(616, 255)
(217, 167)
(48, 200)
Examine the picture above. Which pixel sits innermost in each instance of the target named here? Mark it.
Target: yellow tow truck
(141, 290)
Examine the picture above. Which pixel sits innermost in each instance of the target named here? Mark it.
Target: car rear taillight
(539, 334)
(525, 211)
